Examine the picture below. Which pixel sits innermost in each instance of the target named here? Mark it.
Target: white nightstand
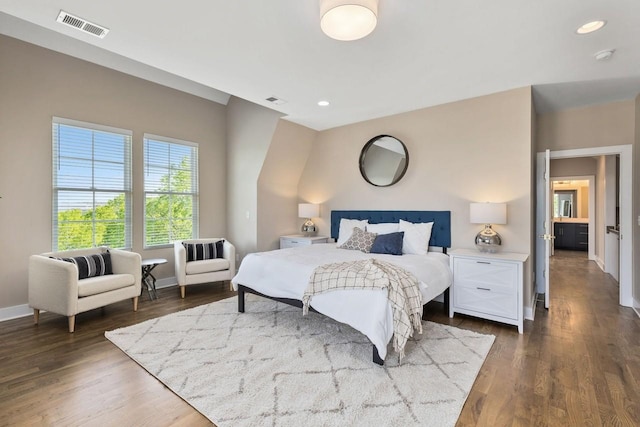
(300, 240)
(488, 285)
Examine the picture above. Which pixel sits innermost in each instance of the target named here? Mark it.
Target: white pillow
(416, 237)
(383, 228)
(346, 228)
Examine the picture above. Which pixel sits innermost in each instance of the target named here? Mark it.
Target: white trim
(626, 209)
(600, 263)
(170, 140)
(636, 306)
(15, 312)
(530, 312)
(92, 126)
(166, 282)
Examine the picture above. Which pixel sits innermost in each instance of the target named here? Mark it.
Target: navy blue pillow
(390, 244)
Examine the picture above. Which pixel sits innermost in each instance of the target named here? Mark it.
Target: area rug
(271, 366)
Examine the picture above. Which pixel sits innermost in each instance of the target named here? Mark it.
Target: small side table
(147, 278)
(296, 240)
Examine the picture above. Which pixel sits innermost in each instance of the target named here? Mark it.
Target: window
(91, 185)
(170, 190)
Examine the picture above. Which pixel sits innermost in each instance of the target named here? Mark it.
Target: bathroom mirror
(383, 160)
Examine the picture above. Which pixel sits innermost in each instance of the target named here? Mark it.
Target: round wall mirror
(383, 160)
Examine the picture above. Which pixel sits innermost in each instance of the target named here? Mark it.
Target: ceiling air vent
(274, 100)
(82, 24)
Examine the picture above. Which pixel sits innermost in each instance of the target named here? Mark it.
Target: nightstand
(300, 240)
(488, 285)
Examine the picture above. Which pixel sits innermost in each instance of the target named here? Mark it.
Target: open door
(543, 226)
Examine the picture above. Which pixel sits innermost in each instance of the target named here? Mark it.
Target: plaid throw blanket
(403, 292)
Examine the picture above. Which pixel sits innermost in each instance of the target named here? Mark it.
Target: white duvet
(285, 273)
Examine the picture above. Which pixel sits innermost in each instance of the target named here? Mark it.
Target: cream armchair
(203, 271)
(54, 285)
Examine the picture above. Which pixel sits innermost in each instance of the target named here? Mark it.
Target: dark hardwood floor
(577, 364)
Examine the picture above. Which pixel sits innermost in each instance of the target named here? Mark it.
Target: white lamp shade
(308, 210)
(488, 213)
(348, 20)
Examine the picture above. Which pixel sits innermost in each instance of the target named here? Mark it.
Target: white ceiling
(423, 52)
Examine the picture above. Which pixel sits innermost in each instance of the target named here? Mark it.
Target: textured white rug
(270, 366)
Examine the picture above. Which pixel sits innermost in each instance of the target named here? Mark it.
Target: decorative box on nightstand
(301, 240)
(488, 285)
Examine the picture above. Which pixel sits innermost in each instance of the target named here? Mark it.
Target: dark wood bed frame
(440, 237)
(297, 303)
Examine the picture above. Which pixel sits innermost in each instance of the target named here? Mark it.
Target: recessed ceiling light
(590, 27)
(323, 103)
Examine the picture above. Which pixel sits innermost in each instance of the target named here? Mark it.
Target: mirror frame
(364, 152)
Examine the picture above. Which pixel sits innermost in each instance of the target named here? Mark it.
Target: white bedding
(285, 273)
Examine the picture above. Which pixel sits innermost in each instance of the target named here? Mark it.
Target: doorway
(577, 195)
(625, 215)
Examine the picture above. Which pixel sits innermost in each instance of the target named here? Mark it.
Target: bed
(283, 275)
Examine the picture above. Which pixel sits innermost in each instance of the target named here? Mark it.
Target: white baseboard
(600, 263)
(24, 310)
(530, 312)
(167, 282)
(15, 312)
(636, 306)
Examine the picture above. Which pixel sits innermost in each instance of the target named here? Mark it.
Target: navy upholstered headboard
(440, 234)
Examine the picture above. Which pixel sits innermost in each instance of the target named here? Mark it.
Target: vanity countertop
(572, 220)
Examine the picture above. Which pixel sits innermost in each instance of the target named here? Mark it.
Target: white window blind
(170, 190)
(91, 185)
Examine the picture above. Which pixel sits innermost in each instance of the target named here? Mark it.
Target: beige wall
(36, 84)
(601, 166)
(594, 126)
(250, 130)
(580, 166)
(449, 147)
(278, 183)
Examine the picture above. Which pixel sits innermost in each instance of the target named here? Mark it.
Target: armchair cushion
(100, 284)
(207, 266)
(202, 251)
(91, 265)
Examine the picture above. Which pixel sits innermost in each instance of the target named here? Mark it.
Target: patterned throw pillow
(202, 251)
(360, 240)
(91, 265)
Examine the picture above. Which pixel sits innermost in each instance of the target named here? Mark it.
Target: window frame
(56, 122)
(195, 180)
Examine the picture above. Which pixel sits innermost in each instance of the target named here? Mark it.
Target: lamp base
(309, 228)
(488, 240)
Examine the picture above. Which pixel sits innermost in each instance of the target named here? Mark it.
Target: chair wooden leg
(135, 303)
(72, 324)
(36, 316)
(182, 291)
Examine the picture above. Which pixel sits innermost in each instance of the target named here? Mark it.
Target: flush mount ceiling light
(348, 20)
(590, 27)
(603, 55)
(323, 103)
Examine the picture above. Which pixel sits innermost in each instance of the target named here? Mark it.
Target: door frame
(626, 209)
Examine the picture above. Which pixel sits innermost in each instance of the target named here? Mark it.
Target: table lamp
(308, 211)
(488, 213)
